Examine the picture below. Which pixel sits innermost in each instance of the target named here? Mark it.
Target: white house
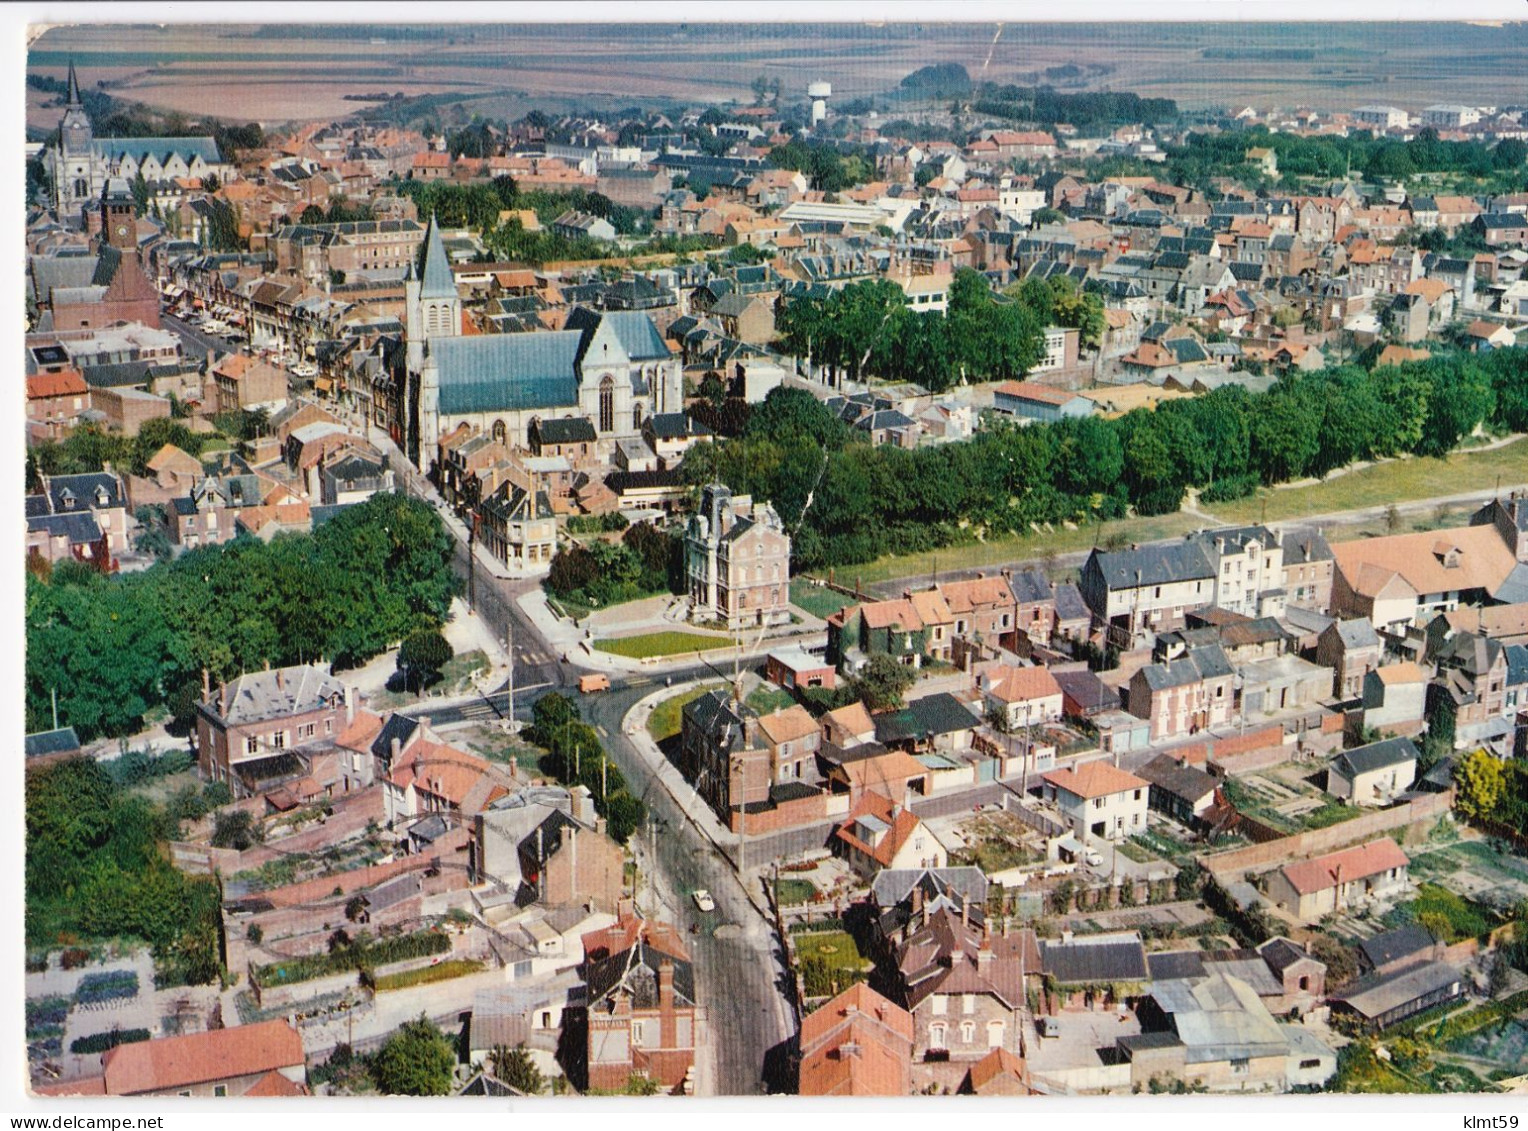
(1099, 799)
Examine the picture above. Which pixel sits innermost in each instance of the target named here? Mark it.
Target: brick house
(1185, 695)
(1140, 592)
(239, 381)
(1352, 649)
(98, 494)
(54, 403)
(964, 985)
(737, 561)
(640, 1013)
(248, 729)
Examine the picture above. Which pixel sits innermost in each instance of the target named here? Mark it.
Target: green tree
(237, 830)
(882, 682)
(515, 1067)
(421, 657)
(1481, 780)
(417, 1060)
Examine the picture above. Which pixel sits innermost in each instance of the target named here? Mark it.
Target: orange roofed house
(857, 1044)
(1309, 889)
(265, 1059)
(639, 1014)
(435, 778)
(1099, 799)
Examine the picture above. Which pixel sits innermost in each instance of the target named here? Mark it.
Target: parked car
(704, 901)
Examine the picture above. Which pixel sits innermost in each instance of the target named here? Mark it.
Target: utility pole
(509, 659)
(54, 692)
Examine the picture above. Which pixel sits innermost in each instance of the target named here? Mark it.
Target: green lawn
(834, 947)
(664, 721)
(1133, 851)
(768, 699)
(792, 892)
(818, 600)
(1394, 482)
(1397, 481)
(665, 643)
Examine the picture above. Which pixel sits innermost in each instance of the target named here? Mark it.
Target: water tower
(819, 93)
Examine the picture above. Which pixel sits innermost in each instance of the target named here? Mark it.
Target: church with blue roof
(611, 368)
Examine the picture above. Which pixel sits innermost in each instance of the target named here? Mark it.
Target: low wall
(1418, 812)
(786, 815)
(203, 859)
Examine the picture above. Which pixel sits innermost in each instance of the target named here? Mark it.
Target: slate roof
(1372, 997)
(633, 328)
(397, 726)
(1095, 959)
(140, 148)
(255, 696)
(52, 742)
(80, 529)
(1357, 633)
(437, 281)
(1375, 756)
(1198, 664)
(923, 718)
(1188, 782)
(1156, 565)
(1388, 947)
(1030, 587)
(566, 430)
(505, 372)
(605, 976)
(82, 489)
(1069, 603)
(892, 886)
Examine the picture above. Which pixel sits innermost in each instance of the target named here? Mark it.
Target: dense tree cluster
(115, 647)
(829, 168)
(936, 82)
(645, 561)
(1206, 156)
(95, 869)
(848, 502)
(575, 756)
(867, 327)
(1085, 110)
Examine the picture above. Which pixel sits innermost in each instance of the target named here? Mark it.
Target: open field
(287, 73)
(1398, 481)
(820, 601)
(1394, 481)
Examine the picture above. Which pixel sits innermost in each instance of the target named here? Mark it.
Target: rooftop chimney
(665, 985)
(349, 704)
(280, 682)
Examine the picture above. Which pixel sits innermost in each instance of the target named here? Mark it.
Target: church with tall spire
(81, 163)
(610, 368)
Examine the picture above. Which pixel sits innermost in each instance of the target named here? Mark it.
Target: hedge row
(100, 1042)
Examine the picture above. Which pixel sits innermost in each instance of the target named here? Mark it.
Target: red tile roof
(858, 1044)
(1020, 685)
(1094, 779)
(1350, 864)
(66, 382)
(201, 1058)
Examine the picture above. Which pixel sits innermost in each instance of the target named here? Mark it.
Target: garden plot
(1473, 868)
(992, 841)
